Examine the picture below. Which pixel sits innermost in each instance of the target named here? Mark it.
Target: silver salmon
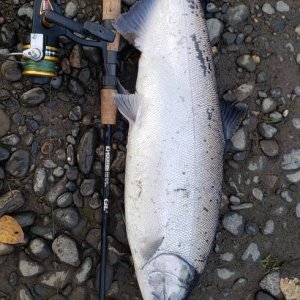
(176, 140)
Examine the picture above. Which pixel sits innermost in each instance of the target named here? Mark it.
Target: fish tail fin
(133, 24)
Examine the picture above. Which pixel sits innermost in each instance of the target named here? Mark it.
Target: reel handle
(111, 11)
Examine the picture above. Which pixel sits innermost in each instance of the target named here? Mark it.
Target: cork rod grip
(111, 11)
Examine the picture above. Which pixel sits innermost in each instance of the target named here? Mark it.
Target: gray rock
(65, 200)
(237, 14)
(76, 88)
(72, 9)
(58, 189)
(56, 279)
(268, 105)
(228, 256)
(281, 6)
(67, 217)
(225, 274)
(66, 250)
(6, 249)
(251, 229)
(11, 201)
(33, 97)
(40, 181)
(251, 254)
(239, 284)
(75, 114)
(294, 177)
(25, 218)
(118, 164)
(239, 140)
(291, 160)
(271, 284)
(269, 147)
(93, 238)
(229, 38)
(18, 164)
(4, 154)
(11, 71)
(39, 249)
(257, 163)
(261, 77)
(246, 62)
(297, 212)
(11, 140)
(28, 267)
(215, 28)
(268, 9)
(56, 82)
(79, 292)
(87, 187)
(25, 11)
(86, 150)
(269, 227)
(276, 92)
(275, 117)
(244, 91)
(58, 172)
(234, 223)
(285, 195)
(267, 131)
(4, 123)
(84, 271)
(23, 293)
(210, 7)
(263, 296)
(46, 232)
(257, 194)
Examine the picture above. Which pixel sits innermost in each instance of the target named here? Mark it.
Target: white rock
(268, 9)
(281, 6)
(224, 273)
(239, 140)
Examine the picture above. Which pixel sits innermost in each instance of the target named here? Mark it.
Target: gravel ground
(51, 160)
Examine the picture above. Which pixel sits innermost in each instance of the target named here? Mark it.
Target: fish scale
(174, 164)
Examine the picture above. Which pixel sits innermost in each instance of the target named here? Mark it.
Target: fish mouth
(168, 277)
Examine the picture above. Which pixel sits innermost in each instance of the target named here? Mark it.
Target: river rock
(67, 217)
(11, 71)
(237, 14)
(33, 97)
(40, 181)
(28, 267)
(11, 201)
(18, 164)
(84, 271)
(56, 279)
(4, 123)
(58, 189)
(39, 249)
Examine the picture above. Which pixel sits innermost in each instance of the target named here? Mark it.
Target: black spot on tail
(199, 53)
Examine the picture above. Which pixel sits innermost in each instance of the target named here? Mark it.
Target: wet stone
(23, 293)
(72, 172)
(244, 91)
(269, 227)
(281, 6)
(76, 88)
(40, 181)
(66, 250)
(268, 9)
(237, 14)
(18, 164)
(28, 267)
(11, 201)
(215, 28)
(291, 160)
(55, 279)
(45, 232)
(271, 284)
(263, 296)
(70, 155)
(257, 163)
(58, 189)
(239, 140)
(39, 249)
(72, 9)
(251, 254)
(4, 123)
(225, 274)
(11, 140)
(65, 200)
(11, 71)
(26, 218)
(246, 62)
(87, 187)
(4, 154)
(267, 131)
(269, 147)
(234, 223)
(83, 272)
(268, 105)
(58, 172)
(33, 97)
(86, 150)
(67, 217)
(6, 249)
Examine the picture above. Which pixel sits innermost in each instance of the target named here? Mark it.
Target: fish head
(166, 277)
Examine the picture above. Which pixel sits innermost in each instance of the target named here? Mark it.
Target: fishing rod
(40, 62)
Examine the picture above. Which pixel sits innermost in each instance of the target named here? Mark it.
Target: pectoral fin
(128, 105)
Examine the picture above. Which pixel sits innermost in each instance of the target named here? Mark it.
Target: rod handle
(108, 107)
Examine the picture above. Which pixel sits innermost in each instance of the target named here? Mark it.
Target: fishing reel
(40, 50)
